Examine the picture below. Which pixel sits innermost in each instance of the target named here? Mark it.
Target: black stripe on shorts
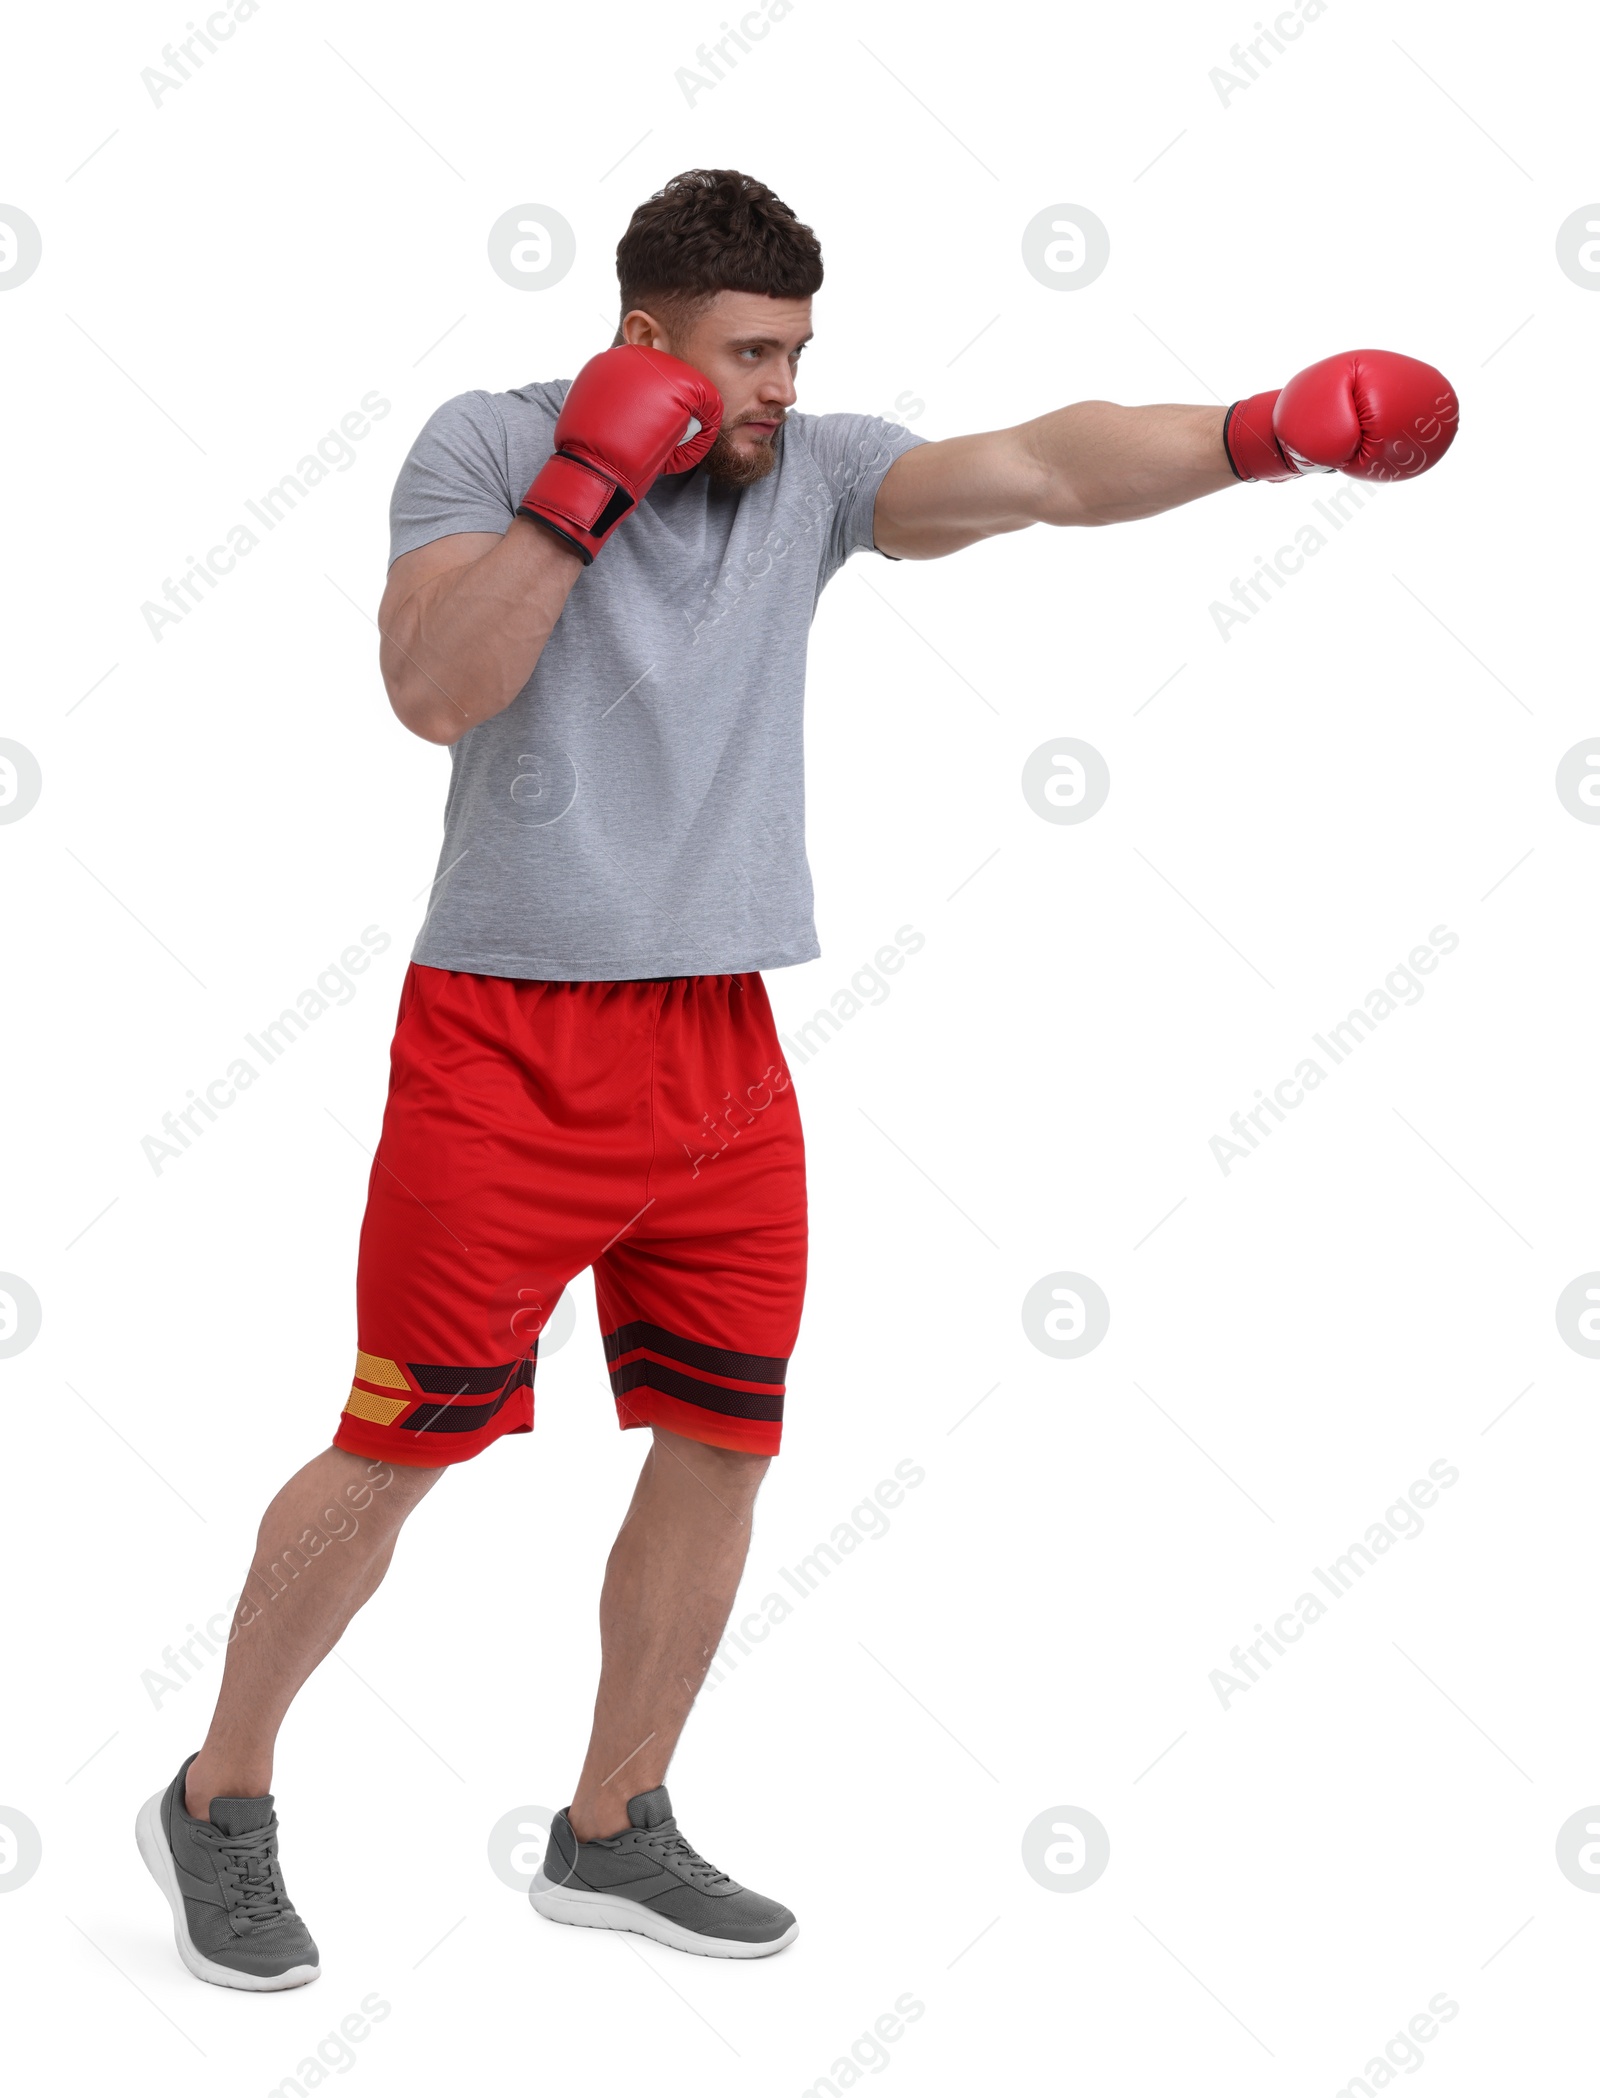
(721, 1362)
(446, 1379)
(450, 1419)
(695, 1391)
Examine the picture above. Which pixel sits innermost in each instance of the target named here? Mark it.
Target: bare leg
(324, 1545)
(670, 1583)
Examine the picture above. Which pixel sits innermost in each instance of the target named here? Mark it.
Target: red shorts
(645, 1129)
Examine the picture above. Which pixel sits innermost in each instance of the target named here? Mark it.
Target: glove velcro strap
(576, 492)
(1253, 452)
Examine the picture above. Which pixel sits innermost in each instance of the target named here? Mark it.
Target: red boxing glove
(631, 413)
(1370, 413)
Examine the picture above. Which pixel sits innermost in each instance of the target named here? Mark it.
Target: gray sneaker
(232, 1917)
(651, 1879)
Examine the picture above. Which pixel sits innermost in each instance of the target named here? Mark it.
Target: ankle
(597, 1816)
(207, 1781)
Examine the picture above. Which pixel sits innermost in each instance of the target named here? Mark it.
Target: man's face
(749, 347)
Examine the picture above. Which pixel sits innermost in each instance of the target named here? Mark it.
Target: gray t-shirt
(639, 808)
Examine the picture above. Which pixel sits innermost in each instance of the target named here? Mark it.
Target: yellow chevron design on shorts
(367, 1406)
(378, 1369)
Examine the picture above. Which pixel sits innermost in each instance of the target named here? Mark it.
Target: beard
(734, 468)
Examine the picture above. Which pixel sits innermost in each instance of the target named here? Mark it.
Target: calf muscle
(324, 1544)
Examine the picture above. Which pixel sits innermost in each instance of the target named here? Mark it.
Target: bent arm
(1091, 464)
(465, 619)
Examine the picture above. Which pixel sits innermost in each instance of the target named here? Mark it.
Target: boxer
(598, 601)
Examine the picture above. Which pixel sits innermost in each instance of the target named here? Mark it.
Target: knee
(740, 1464)
(736, 1471)
(397, 1488)
(729, 1472)
(373, 1490)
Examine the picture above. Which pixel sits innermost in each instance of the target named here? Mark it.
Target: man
(599, 599)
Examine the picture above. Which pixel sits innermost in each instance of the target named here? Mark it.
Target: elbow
(1054, 499)
(426, 716)
(1087, 506)
(432, 730)
(419, 703)
(1068, 509)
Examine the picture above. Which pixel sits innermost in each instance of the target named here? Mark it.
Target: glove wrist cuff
(1252, 450)
(578, 501)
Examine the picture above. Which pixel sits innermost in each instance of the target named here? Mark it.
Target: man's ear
(640, 327)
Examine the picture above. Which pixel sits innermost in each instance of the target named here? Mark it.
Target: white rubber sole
(157, 1854)
(592, 1911)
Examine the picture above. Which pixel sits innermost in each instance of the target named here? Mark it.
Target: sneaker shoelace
(250, 1876)
(667, 1843)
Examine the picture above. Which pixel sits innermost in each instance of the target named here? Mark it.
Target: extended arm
(1091, 464)
(1369, 413)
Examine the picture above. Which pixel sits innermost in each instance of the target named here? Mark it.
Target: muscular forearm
(460, 645)
(1091, 464)
(1101, 464)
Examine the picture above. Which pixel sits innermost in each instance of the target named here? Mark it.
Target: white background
(1292, 1878)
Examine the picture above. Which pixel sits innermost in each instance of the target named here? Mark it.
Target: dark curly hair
(711, 230)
